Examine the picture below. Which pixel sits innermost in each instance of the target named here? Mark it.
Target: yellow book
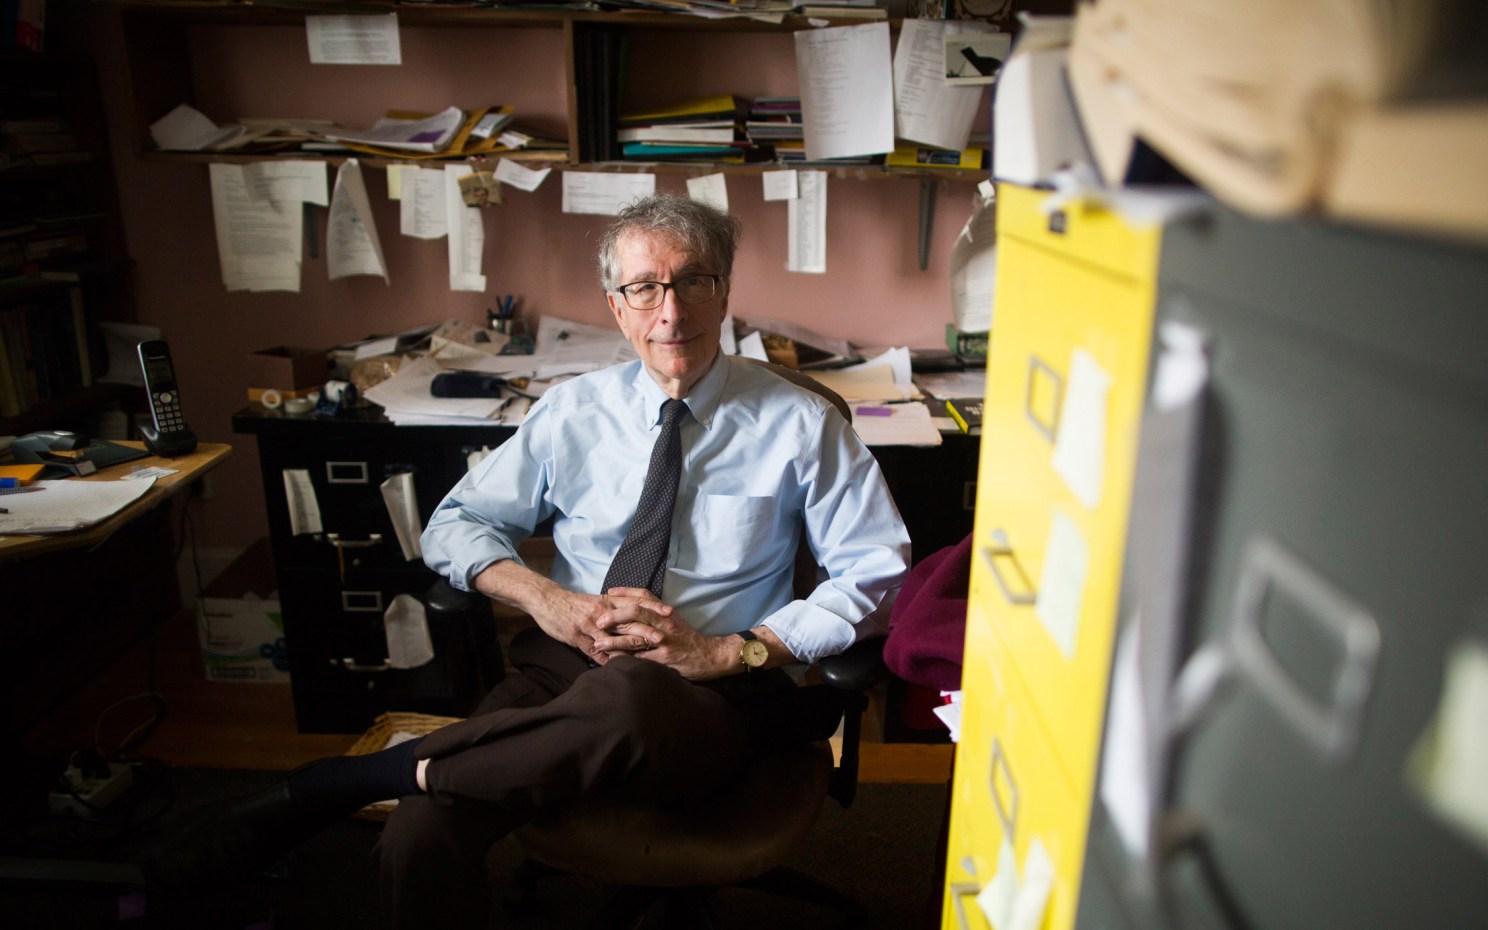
(24, 474)
(696, 108)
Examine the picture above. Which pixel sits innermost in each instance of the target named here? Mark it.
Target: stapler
(61, 449)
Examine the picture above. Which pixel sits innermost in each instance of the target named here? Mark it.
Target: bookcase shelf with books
(61, 239)
(567, 73)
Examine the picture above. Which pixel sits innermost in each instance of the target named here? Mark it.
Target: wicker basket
(388, 729)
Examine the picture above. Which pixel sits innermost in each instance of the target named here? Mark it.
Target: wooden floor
(251, 726)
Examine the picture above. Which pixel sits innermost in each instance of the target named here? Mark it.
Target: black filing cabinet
(337, 579)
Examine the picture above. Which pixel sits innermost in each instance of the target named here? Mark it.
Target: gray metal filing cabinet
(1306, 562)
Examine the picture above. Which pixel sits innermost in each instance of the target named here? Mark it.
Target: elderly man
(677, 487)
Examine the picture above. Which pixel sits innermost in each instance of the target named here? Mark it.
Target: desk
(332, 583)
(74, 601)
(189, 468)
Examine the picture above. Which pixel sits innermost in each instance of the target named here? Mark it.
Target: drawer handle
(1332, 724)
(373, 539)
(960, 891)
(346, 472)
(1038, 370)
(1007, 810)
(1002, 549)
(361, 602)
(352, 665)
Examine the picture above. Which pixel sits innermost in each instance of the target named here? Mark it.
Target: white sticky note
(1034, 888)
(520, 176)
(1449, 765)
(467, 234)
(395, 182)
(421, 211)
(406, 625)
(710, 189)
(1080, 449)
(1062, 582)
(352, 244)
(806, 240)
(1125, 785)
(779, 185)
(354, 40)
(604, 193)
(998, 896)
(304, 509)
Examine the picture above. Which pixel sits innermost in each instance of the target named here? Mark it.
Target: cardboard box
(239, 624)
(287, 368)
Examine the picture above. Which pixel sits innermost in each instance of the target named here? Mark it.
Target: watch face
(755, 653)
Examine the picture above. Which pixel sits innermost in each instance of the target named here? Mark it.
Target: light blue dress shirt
(761, 458)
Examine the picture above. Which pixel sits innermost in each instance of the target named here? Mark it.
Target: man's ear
(615, 308)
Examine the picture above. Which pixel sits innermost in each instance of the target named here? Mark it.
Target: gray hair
(709, 233)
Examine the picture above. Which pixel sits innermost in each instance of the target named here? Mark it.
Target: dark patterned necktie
(641, 561)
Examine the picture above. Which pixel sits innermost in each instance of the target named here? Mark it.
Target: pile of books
(42, 140)
(704, 129)
(776, 122)
(44, 350)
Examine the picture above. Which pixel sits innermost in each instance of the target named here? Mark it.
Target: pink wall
(873, 291)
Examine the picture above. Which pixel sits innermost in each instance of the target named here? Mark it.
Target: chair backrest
(807, 382)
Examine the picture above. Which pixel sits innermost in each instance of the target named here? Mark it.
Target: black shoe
(227, 845)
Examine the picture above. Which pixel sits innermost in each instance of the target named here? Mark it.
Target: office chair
(681, 854)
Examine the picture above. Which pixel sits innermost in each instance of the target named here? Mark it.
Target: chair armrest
(858, 669)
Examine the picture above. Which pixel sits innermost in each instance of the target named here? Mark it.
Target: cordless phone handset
(167, 433)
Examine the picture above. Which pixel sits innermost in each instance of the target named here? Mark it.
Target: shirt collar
(701, 401)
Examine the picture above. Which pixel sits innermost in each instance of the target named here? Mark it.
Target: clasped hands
(632, 621)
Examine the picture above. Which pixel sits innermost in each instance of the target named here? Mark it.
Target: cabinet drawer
(1065, 388)
(1080, 230)
(1008, 786)
(341, 482)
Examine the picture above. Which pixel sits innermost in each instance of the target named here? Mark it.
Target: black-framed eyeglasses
(690, 289)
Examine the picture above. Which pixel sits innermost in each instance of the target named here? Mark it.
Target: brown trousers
(554, 729)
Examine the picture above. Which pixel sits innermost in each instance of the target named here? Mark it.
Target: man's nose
(672, 308)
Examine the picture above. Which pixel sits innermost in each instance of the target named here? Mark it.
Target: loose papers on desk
(406, 399)
(65, 505)
(561, 347)
(886, 377)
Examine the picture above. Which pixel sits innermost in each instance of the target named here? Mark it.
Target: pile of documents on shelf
(1365, 110)
(450, 133)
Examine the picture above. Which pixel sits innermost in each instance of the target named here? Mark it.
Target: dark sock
(342, 785)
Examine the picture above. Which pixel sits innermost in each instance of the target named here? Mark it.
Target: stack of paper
(407, 400)
(68, 504)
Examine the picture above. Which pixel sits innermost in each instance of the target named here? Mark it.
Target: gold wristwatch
(755, 653)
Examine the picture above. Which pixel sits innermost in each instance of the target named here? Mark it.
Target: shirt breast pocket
(734, 531)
